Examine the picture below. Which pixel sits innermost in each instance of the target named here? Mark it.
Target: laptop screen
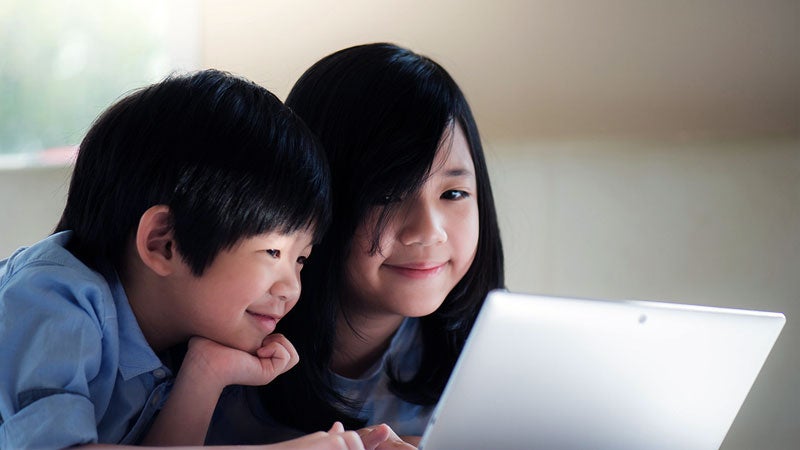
(550, 372)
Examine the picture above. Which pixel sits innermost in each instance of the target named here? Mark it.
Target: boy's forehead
(303, 236)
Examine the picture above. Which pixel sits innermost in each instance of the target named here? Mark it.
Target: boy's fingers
(277, 346)
(273, 350)
(275, 359)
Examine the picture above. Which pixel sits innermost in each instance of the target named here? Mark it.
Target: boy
(192, 206)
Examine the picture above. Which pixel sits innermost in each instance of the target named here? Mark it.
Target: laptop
(570, 373)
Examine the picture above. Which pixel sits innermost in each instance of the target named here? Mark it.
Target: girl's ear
(155, 242)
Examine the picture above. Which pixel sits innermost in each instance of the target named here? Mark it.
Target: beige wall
(638, 149)
(32, 200)
(548, 68)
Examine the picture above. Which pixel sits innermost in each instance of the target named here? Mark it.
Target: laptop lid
(568, 373)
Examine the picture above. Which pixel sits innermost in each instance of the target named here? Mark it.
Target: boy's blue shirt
(74, 365)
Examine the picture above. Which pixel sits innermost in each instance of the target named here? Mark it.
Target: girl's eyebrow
(457, 172)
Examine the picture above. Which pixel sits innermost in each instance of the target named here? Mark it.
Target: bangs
(273, 178)
(409, 176)
(216, 209)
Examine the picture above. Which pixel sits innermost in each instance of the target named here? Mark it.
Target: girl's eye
(302, 260)
(389, 198)
(455, 195)
(275, 253)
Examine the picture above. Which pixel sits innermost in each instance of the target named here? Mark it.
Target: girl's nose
(423, 225)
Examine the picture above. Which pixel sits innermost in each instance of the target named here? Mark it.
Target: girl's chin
(422, 310)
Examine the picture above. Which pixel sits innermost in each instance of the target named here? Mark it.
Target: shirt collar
(399, 347)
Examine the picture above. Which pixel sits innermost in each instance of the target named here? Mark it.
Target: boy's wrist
(200, 369)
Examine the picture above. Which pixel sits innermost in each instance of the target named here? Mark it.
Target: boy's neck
(361, 340)
(145, 296)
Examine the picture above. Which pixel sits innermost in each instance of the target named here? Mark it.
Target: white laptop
(563, 373)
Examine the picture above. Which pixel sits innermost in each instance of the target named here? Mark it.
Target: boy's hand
(276, 356)
(206, 369)
(231, 366)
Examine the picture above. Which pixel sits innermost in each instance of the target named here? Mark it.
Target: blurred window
(64, 62)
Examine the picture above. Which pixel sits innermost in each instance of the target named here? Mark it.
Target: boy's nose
(286, 288)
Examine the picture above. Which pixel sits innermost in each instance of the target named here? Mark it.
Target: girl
(394, 287)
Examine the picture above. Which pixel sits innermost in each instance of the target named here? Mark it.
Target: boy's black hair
(228, 158)
(380, 112)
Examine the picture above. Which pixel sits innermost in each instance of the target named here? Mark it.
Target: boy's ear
(155, 241)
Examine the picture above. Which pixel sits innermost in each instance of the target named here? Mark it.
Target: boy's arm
(50, 349)
(207, 368)
(186, 414)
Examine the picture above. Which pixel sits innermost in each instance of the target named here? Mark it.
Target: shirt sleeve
(51, 348)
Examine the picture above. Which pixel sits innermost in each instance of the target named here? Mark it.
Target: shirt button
(159, 373)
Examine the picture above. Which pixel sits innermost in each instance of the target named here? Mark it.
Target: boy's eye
(302, 260)
(275, 253)
(455, 195)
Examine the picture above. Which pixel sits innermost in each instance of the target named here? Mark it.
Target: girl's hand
(228, 365)
(382, 437)
(335, 439)
(413, 440)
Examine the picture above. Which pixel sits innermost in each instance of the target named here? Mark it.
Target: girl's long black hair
(380, 111)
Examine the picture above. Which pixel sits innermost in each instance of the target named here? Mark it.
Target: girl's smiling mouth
(417, 271)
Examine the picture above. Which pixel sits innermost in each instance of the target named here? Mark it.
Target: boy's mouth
(265, 322)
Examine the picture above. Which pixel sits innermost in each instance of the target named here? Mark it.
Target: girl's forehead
(453, 157)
